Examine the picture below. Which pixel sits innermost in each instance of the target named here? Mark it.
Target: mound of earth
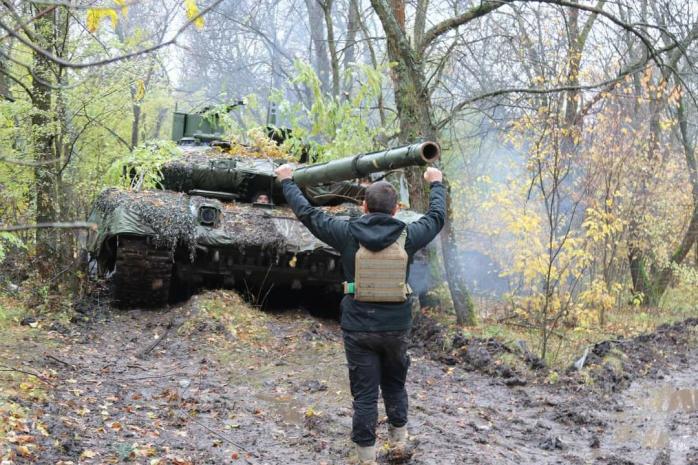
(613, 364)
(475, 354)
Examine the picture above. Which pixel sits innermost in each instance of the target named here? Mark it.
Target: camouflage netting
(165, 216)
(213, 169)
(251, 227)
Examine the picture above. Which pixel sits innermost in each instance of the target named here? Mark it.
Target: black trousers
(376, 360)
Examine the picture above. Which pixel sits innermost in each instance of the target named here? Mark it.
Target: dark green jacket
(375, 231)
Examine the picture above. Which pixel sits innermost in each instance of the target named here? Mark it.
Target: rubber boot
(397, 444)
(367, 455)
(397, 436)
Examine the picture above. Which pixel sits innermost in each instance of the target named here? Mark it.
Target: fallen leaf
(20, 438)
(179, 461)
(88, 454)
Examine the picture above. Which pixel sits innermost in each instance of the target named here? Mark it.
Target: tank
(219, 219)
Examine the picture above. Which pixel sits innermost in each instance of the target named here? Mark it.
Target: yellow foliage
(96, 15)
(192, 10)
(140, 90)
(258, 144)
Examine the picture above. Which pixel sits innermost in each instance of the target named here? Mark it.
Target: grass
(11, 311)
(241, 321)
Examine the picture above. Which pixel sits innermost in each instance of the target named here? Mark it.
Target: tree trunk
(352, 30)
(318, 44)
(42, 137)
(332, 45)
(462, 303)
(4, 79)
(135, 125)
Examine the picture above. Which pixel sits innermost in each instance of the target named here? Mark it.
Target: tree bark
(318, 44)
(135, 125)
(462, 303)
(42, 136)
(4, 79)
(332, 45)
(353, 27)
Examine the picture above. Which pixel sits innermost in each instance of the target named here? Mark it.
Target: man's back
(375, 231)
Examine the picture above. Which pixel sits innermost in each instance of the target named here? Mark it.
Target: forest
(559, 322)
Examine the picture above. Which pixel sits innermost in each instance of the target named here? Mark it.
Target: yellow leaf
(25, 386)
(24, 451)
(140, 90)
(96, 15)
(88, 454)
(192, 12)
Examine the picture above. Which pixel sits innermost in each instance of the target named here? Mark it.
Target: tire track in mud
(211, 396)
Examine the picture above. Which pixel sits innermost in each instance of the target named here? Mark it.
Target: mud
(187, 385)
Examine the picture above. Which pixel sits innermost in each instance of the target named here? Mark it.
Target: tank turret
(214, 173)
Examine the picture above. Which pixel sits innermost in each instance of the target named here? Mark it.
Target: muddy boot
(366, 455)
(398, 450)
(397, 436)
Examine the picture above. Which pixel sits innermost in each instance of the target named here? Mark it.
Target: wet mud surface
(176, 386)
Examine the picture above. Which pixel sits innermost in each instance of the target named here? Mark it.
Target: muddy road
(213, 381)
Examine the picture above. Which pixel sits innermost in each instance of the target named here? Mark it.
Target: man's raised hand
(284, 172)
(432, 175)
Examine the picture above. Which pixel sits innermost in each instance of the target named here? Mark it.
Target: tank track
(142, 274)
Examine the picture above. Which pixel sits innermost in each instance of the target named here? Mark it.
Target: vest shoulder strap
(403, 238)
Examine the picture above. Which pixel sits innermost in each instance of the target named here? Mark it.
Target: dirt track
(273, 389)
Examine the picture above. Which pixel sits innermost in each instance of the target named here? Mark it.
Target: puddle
(649, 420)
(285, 407)
(670, 399)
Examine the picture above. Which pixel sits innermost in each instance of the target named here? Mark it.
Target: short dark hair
(381, 197)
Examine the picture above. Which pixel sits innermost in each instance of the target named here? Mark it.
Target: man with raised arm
(376, 250)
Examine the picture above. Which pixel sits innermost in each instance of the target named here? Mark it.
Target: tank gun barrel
(362, 165)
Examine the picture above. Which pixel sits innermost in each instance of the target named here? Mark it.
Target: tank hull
(250, 247)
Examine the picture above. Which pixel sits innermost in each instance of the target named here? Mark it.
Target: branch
(68, 64)
(59, 225)
(74, 6)
(26, 372)
(110, 130)
(532, 90)
(15, 161)
(639, 66)
(452, 23)
(16, 81)
(397, 36)
(600, 11)
(225, 438)
(589, 23)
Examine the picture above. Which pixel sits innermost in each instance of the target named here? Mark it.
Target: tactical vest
(381, 276)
